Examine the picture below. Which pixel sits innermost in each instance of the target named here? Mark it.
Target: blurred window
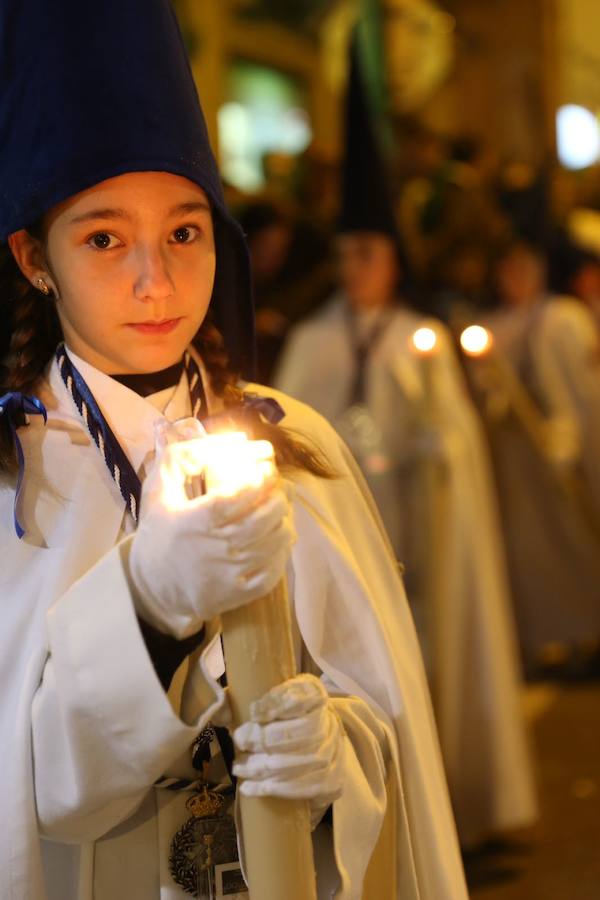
(577, 137)
(264, 113)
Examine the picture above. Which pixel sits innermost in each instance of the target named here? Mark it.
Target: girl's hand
(192, 564)
(293, 745)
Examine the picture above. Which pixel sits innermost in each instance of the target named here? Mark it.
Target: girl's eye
(185, 235)
(103, 241)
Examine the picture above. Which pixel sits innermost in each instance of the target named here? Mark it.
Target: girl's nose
(153, 280)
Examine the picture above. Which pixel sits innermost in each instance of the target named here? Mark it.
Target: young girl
(122, 262)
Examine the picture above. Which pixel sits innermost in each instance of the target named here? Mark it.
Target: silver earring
(42, 286)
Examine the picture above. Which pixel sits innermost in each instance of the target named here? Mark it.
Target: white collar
(130, 416)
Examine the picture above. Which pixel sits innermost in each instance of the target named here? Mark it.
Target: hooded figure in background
(412, 428)
(546, 459)
(110, 664)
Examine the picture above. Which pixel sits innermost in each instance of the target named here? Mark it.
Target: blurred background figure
(445, 203)
(523, 195)
(575, 265)
(291, 271)
(543, 416)
(407, 418)
(459, 280)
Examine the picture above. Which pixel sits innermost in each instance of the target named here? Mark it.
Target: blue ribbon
(268, 407)
(232, 416)
(129, 483)
(15, 405)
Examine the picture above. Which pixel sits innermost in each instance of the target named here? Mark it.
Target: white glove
(212, 555)
(293, 745)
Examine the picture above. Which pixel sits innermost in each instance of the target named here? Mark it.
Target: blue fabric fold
(15, 406)
(232, 417)
(268, 407)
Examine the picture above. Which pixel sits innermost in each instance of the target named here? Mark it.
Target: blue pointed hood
(91, 91)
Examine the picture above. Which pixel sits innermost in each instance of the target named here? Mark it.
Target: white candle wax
(259, 654)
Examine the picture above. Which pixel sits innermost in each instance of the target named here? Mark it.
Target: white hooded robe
(553, 348)
(85, 725)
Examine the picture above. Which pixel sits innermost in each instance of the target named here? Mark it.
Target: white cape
(65, 670)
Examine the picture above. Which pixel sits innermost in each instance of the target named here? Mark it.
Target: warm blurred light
(476, 340)
(419, 48)
(577, 137)
(235, 130)
(229, 461)
(233, 463)
(264, 114)
(583, 227)
(424, 340)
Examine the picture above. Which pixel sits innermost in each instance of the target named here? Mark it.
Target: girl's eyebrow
(190, 206)
(99, 214)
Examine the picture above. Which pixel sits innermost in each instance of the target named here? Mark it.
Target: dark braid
(291, 451)
(30, 333)
(211, 347)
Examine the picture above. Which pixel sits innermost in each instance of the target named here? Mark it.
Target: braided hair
(28, 338)
(32, 333)
(292, 451)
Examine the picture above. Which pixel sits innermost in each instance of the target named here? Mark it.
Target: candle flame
(424, 340)
(230, 463)
(476, 340)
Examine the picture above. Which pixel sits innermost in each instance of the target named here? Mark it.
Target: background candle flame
(476, 340)
(424, 340)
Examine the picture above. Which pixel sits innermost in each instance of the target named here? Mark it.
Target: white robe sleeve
(358, 814)
(103, 728)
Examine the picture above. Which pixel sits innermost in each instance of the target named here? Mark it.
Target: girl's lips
(163, 327)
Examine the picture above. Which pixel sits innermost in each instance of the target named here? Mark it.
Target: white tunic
(469, 639)
(86, 726)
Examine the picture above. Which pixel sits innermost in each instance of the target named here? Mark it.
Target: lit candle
(229, 462)
(431, 485)
(500, 386)
(485, 374)
(259, 654)
(424, 343)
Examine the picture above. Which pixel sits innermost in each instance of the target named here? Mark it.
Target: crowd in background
(459, 211)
